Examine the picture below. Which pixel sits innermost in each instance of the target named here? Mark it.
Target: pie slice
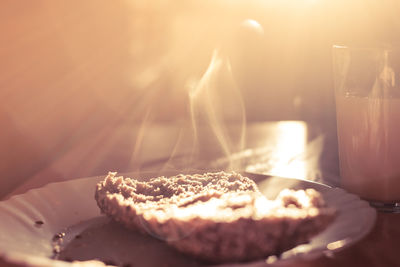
(217, 217)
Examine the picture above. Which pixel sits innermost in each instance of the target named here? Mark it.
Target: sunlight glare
(291, 145)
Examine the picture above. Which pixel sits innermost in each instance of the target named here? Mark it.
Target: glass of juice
(367, 92)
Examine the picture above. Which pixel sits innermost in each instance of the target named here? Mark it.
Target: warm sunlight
(290, 154)
(222, 103)
(291, 146)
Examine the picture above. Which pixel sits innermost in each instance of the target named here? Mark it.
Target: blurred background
(69, 69)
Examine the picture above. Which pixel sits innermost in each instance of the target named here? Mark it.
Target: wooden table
(284, 148)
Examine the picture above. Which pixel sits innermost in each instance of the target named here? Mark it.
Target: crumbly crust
(218, 217)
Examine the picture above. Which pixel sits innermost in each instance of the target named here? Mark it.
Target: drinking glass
(367, 92)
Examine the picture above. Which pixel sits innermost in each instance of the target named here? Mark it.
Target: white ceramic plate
(69, 207)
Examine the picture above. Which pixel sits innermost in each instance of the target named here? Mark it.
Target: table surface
(293, 149)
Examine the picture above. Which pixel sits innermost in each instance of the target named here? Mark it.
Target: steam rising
(215, 100)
